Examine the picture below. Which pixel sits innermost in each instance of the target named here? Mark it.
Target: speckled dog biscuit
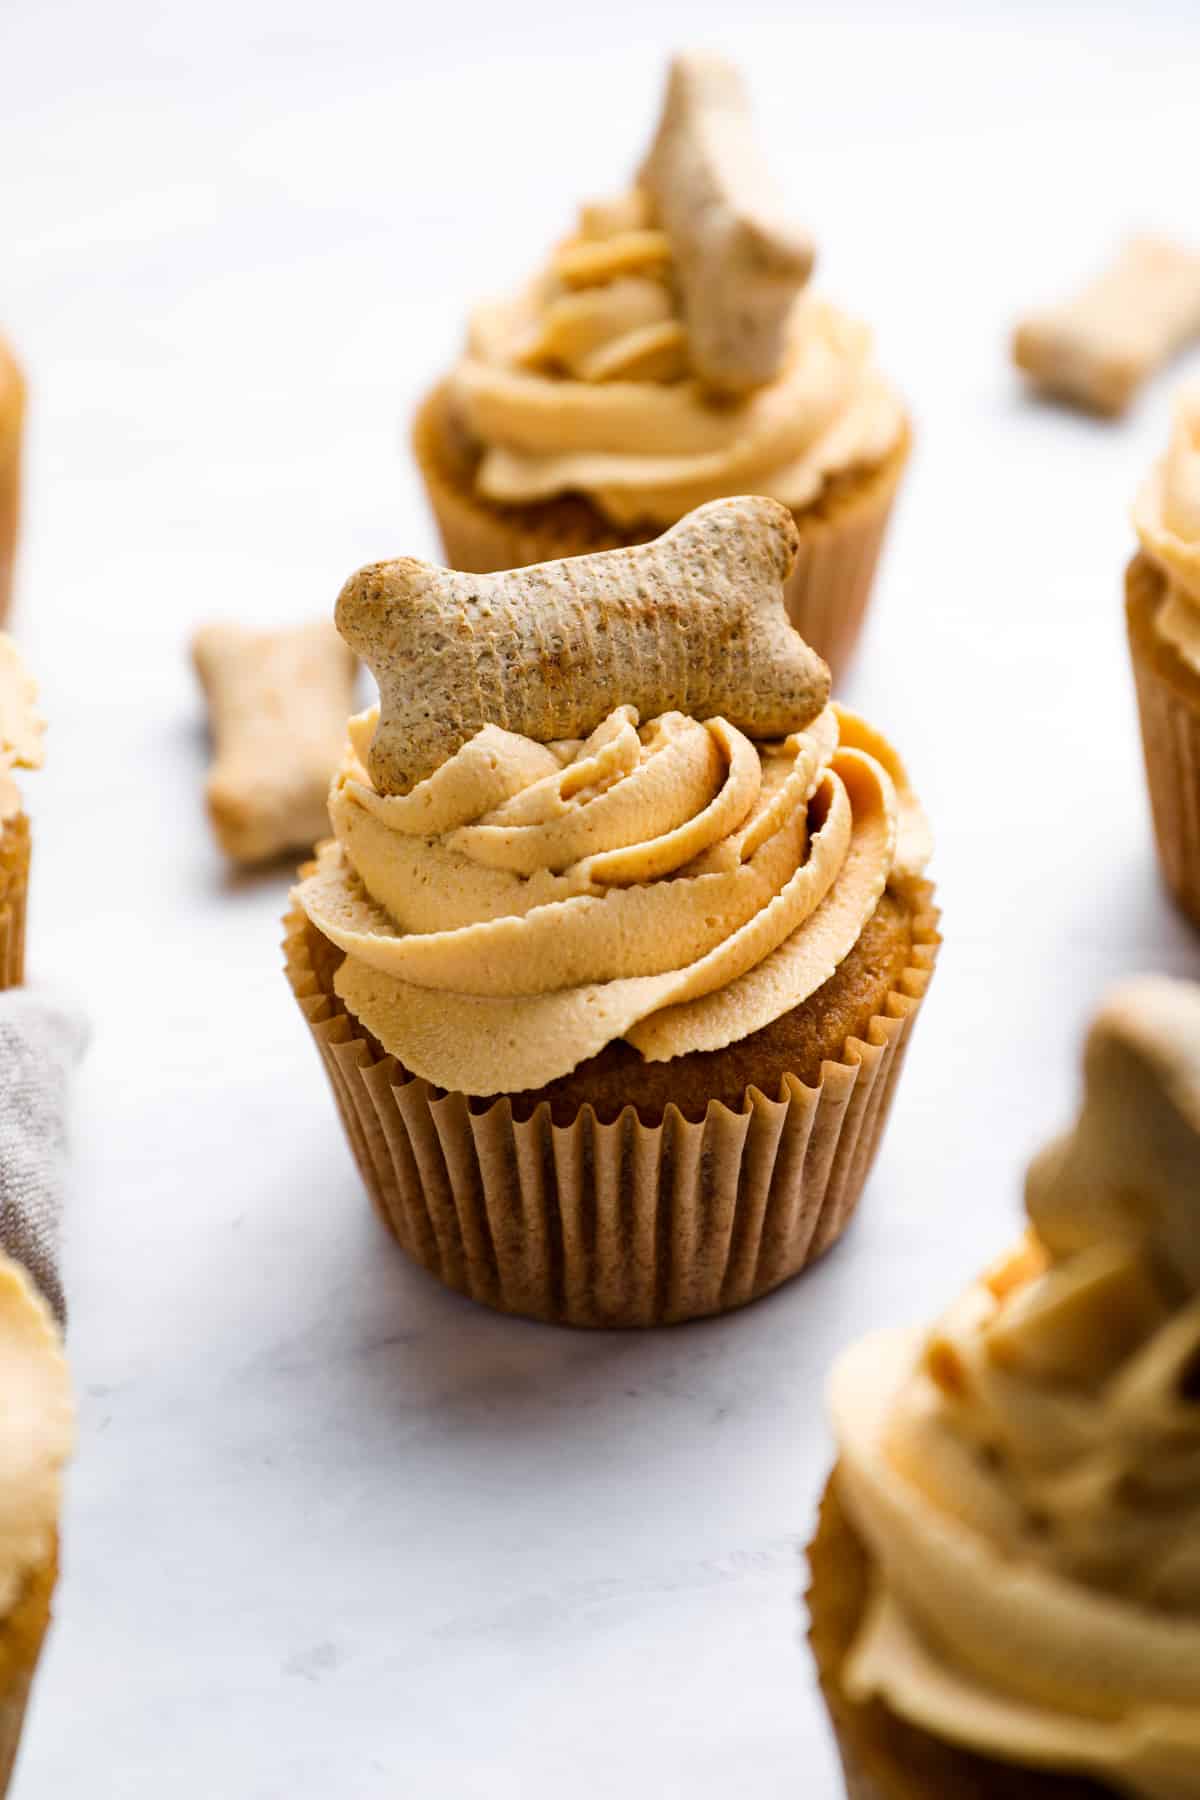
(740, 266)
(692, 621)
(277, 703)
(1096, 350)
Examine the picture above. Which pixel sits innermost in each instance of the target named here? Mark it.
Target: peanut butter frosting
(37, 1432)
(21, 726)
(671, 882)
(1167, 517)
(1027, 1476)
(602, 378)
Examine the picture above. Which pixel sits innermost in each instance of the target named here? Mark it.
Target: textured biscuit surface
(693, 621)
(740, 264)
(1095, 349)
(277, 703)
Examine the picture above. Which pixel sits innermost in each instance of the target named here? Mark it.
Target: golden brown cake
(1005, 1593)
(613, 1011)
(670, 353)
(20, 748)
(12, 414)
(35, 1440)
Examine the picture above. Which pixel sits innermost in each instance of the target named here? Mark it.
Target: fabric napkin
(41, 1040)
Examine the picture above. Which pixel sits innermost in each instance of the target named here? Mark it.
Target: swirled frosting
(21, 727)
(583, 384)
(1167, 516)
(36, 1431)
(671, 883)
(1027, 1476)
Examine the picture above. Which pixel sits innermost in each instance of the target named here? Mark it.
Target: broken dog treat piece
(1096, 350)
(692, 621)
(740, 264)
(277, 704)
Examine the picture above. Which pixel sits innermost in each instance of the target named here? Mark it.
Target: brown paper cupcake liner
(827, 593)
(620, 1223)
(1168, 696)
(14, 885)
(21, 1637)
(884, 1757)
(12, 408)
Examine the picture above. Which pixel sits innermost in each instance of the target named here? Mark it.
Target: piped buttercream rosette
(674, 884)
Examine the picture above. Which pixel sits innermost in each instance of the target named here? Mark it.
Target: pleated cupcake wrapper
(14, 885)
(826, 594)
(1171, 746)
(619, 1223)
(22, 1634)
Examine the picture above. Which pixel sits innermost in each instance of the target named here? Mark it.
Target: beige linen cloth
(42, 1038)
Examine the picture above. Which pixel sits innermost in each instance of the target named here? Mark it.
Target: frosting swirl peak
(21, 726)
(668, 353)
(672, 883)
(1167, 517)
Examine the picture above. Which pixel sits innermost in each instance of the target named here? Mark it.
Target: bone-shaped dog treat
(1096, 350)
(693, 621)
(277, 703)
(740, 265)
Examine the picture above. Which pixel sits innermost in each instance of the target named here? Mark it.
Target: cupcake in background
(1162, 607)
(670, 353)
(12, 415)
(614, 957)
(1005, 1593)
(36, 1437)
(21, 731)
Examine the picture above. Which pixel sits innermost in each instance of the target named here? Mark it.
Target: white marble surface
(332, 1531)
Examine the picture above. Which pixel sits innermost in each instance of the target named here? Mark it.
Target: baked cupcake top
(644, 821)
(1027, 1476)
(1167, 517)
(669, 353)
(21, 726)
(36, 1429)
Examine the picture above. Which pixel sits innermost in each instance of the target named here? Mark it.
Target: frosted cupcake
(670, 353)
(21, 731)
(12, 414)
(1162, 605)
(1006, 1579)
(615, 952)
(36, 1434)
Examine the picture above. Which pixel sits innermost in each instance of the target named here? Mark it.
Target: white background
(332, 1531)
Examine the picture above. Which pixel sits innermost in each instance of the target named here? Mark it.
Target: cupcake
(12, 412)
(1005, 1593)
(614, 954)
(1162, 608)
(20, 747)
(34, 1444)
(670, 353)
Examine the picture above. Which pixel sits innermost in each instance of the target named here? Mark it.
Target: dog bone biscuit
(1096, 349)
(277, 704)
(693, 621)
(740, 265)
